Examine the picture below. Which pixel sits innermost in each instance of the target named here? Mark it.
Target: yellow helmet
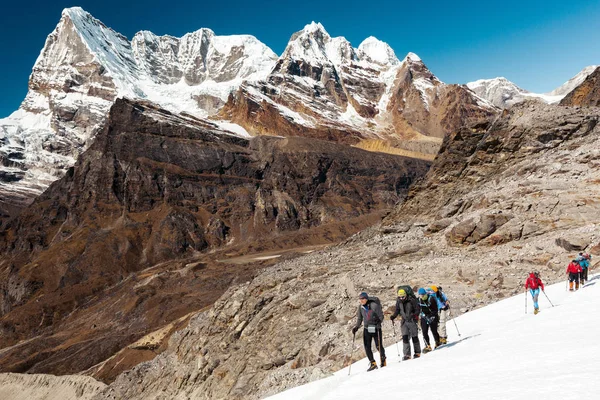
(401, 293)
(434, 288)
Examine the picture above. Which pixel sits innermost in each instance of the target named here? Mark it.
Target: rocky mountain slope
(47, 387)
(502, 198)
(320, 87)
(84, 66)
(587, 93)
(323, 87)
(137, 234)
(503, 93)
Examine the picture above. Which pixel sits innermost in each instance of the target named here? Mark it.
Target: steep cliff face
(586, 94)
(155, 189)
(502, 199)
(84, 66)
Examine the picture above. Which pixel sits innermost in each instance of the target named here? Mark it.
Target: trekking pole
(548, 298)
(351, 353)
(525, 301)
(456, 326)
(396, 338)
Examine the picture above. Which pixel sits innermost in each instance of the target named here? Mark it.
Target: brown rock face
(586, 94)
(120, 245)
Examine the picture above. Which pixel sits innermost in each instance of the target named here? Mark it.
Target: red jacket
(573, 268)
(533, 282)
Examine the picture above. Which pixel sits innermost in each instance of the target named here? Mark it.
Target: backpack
(376, 301)
(411, 296)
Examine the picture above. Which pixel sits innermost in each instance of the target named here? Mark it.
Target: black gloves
(393, 317)
(354, 330)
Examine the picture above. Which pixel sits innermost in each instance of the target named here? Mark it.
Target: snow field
(503, 353)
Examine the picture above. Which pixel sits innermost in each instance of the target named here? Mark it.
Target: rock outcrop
(586, 94)
(131, 237)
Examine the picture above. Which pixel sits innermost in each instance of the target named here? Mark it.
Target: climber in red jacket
(534, 284)
(573, 271)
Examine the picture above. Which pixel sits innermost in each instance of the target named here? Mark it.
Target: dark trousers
(378, 338)
(583, 275)
(574, 277)
(426, 326)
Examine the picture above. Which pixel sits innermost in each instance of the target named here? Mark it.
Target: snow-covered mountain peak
(378, 51)
(309, 45)
(494, 82)
(315, 28)
(412, 57)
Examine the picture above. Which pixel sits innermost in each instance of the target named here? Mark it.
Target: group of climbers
(577, 270)
(577, 273)
(430, 308)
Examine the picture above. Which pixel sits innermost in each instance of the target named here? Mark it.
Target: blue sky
(536, 44)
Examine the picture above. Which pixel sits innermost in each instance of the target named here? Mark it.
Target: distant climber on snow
(534, 284)
(371, 315)
(573, 271)
(408, 308)
(584, 263)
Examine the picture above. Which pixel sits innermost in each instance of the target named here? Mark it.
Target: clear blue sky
(536, 44)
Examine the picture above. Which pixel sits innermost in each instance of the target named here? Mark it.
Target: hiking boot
(405, 358)
(536, 310)
(427, 349)
(443, 340)
(383, 363)
(571, 286)
(417, 355)
(372, 366)
(438, 344)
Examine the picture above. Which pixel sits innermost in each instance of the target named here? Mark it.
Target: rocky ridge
(151, 213)
(587, 93)
(502, 199)
(323, 87)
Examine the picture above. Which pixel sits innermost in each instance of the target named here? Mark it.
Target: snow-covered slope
(503, 93)
(502, 353)
(84, 66)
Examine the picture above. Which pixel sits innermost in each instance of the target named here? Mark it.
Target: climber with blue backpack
(584, 263)
(429, 318)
